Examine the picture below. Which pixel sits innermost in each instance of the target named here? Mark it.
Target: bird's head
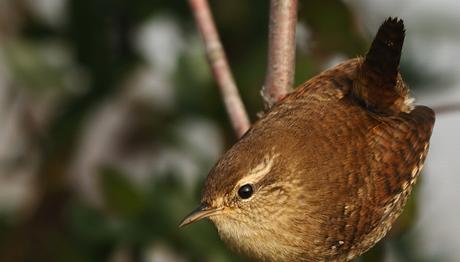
(248, 197)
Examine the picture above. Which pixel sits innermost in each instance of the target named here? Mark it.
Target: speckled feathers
(341, 154)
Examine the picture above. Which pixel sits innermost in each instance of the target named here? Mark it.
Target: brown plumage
(325, 173)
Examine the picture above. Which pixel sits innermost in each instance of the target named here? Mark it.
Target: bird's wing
(397, 150)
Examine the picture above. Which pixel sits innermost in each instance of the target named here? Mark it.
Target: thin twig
(281, 51)
(220, 68)
(447, 109)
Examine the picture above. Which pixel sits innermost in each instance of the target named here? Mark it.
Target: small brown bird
(326, 172)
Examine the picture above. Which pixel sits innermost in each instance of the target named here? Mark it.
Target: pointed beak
(201, 212)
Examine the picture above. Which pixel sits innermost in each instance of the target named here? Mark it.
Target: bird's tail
(379, 86)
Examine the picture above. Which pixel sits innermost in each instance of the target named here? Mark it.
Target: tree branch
(222, 74)
(446, 109)
(281, 51)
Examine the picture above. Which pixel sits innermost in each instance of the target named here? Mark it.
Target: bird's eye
(245, 191)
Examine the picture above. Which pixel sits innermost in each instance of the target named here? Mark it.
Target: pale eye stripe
(258, 172)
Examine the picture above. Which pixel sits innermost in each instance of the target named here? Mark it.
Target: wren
(326, 172)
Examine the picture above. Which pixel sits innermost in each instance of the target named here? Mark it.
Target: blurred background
(110, 120)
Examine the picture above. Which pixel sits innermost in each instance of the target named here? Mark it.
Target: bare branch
(281, 51)
(446, 109)
(220, 68)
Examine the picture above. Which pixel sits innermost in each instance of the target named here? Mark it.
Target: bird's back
(345, 150)
(358, 165)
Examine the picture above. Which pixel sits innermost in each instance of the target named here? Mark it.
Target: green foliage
(120, 195)
(33, 68)
(139, 217)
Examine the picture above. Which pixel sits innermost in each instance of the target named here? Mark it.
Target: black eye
(245, 191)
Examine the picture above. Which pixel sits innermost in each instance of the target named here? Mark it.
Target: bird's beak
(203, 211)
